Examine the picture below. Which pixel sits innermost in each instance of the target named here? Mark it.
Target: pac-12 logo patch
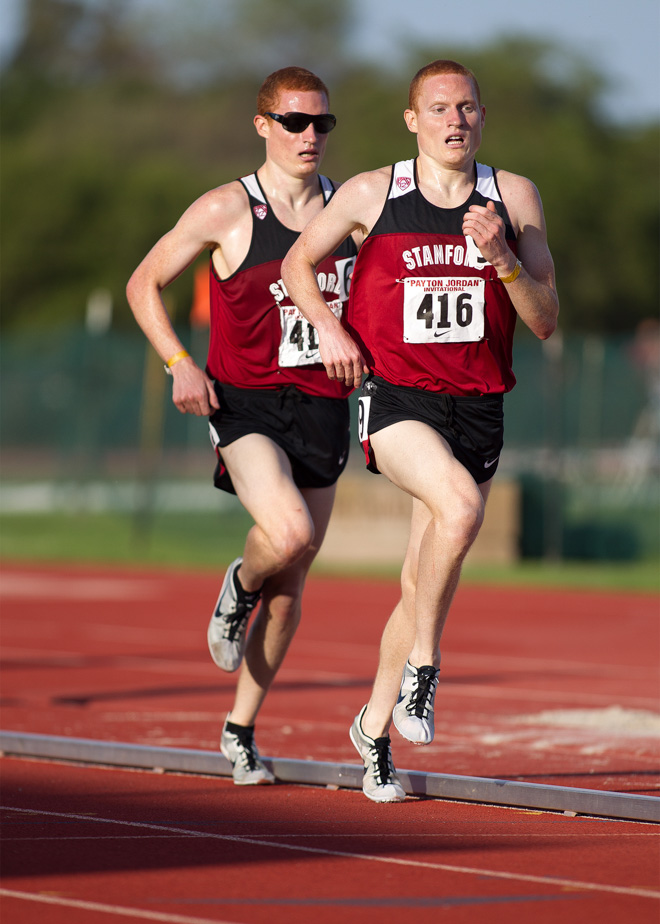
(403, 182)
(260, 211)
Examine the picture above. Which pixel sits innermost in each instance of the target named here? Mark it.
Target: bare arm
(196, 230)
(533, 292)
(353, 210)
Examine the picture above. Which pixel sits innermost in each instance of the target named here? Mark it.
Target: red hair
(435, 69)
(287, 78)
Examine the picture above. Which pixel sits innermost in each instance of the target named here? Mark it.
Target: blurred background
(116, 114)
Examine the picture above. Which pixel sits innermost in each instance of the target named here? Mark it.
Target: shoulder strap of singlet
(403, 179)
(486, 183)
(251, 184)
(327, 188)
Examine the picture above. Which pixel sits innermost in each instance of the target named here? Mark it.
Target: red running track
(543, 686)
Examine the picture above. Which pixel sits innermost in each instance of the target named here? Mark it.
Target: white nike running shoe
(380, 782)
(239, 748)
(228, 626)
(413, 713)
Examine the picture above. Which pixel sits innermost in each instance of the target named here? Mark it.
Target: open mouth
(455, 141)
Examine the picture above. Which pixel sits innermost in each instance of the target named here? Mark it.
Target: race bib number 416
(443, 309)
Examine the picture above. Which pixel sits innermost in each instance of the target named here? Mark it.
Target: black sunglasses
(297, 122)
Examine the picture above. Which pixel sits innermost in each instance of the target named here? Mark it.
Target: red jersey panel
(425, 307)
(258, 338)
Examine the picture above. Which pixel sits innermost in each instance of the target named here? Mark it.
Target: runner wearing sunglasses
(297, 122)
(279, 426)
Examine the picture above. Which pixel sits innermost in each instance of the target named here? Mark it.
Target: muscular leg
(278, 617)
(398, 636)
(447, 513)
(283, 529)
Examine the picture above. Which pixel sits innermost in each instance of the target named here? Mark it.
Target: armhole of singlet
(497, 187)
(489, 176)
(385, 203)
(253, 190)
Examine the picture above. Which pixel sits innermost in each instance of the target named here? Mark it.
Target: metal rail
(349, 776)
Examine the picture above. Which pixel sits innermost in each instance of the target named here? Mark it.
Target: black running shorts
(473, 426)
(314, 432)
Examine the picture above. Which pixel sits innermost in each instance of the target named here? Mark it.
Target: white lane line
(109, 909)
(443, 836)
(64, 587)
(341, 854)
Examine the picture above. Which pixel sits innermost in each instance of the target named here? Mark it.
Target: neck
(294, 191)
(445, 182)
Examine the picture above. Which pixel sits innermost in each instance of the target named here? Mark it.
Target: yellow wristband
(175, 359)
(177, 356)
(512, 275)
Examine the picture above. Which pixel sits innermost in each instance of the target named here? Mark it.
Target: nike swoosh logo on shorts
(492, 462)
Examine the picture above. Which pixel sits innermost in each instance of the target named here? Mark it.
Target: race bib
(344, 270)
(364, 406)
(299, 344)
(443, 309)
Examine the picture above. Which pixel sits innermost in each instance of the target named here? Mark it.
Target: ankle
(426, 659)
(235, 729)
(249, 591)
(374, 727)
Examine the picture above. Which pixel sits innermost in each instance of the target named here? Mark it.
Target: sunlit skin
(289, 524)
(221, 221)
(448, 504)
(297, 155)
(448, 121)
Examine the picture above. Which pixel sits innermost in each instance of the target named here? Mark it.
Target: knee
(459, 527)
(292, 539)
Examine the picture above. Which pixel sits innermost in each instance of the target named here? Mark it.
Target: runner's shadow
(87, 699)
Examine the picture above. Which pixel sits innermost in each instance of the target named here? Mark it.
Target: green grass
(624, 576)
(202, 540)
(208, 541)
(604, 575)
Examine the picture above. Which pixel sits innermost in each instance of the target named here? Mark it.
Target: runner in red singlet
(454, 252)
(279, 426)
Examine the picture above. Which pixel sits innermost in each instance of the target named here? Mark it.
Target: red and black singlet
(258, 338)
(425, 307)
